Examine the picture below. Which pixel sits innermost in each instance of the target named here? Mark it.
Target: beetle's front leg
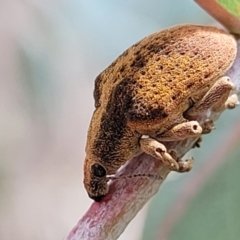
(217, 98)
(159, 151)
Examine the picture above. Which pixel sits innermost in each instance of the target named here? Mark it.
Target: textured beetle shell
(150, 85)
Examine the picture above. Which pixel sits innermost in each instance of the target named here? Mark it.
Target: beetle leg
(232, 101)
(159, 151)
(184, 165)
(217, 98)
(207, 126)
(181, 131)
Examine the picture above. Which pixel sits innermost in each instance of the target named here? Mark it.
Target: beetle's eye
(98, 170)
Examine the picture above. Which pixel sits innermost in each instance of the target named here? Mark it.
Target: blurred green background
(51, 52)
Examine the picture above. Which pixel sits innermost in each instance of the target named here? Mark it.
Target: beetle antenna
(143, 175)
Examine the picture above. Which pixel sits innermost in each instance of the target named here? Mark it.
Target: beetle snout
(96, 189)
(95, 180)
(96, 198)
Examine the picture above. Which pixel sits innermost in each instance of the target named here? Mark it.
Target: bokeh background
(51, 51)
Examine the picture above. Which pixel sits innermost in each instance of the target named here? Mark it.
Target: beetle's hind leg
(216, 99)
(232, 101)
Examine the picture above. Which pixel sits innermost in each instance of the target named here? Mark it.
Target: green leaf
(232, 6)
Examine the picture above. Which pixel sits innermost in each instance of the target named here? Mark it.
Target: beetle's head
(95, 179)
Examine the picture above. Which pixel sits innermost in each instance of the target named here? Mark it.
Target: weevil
(156, 89)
